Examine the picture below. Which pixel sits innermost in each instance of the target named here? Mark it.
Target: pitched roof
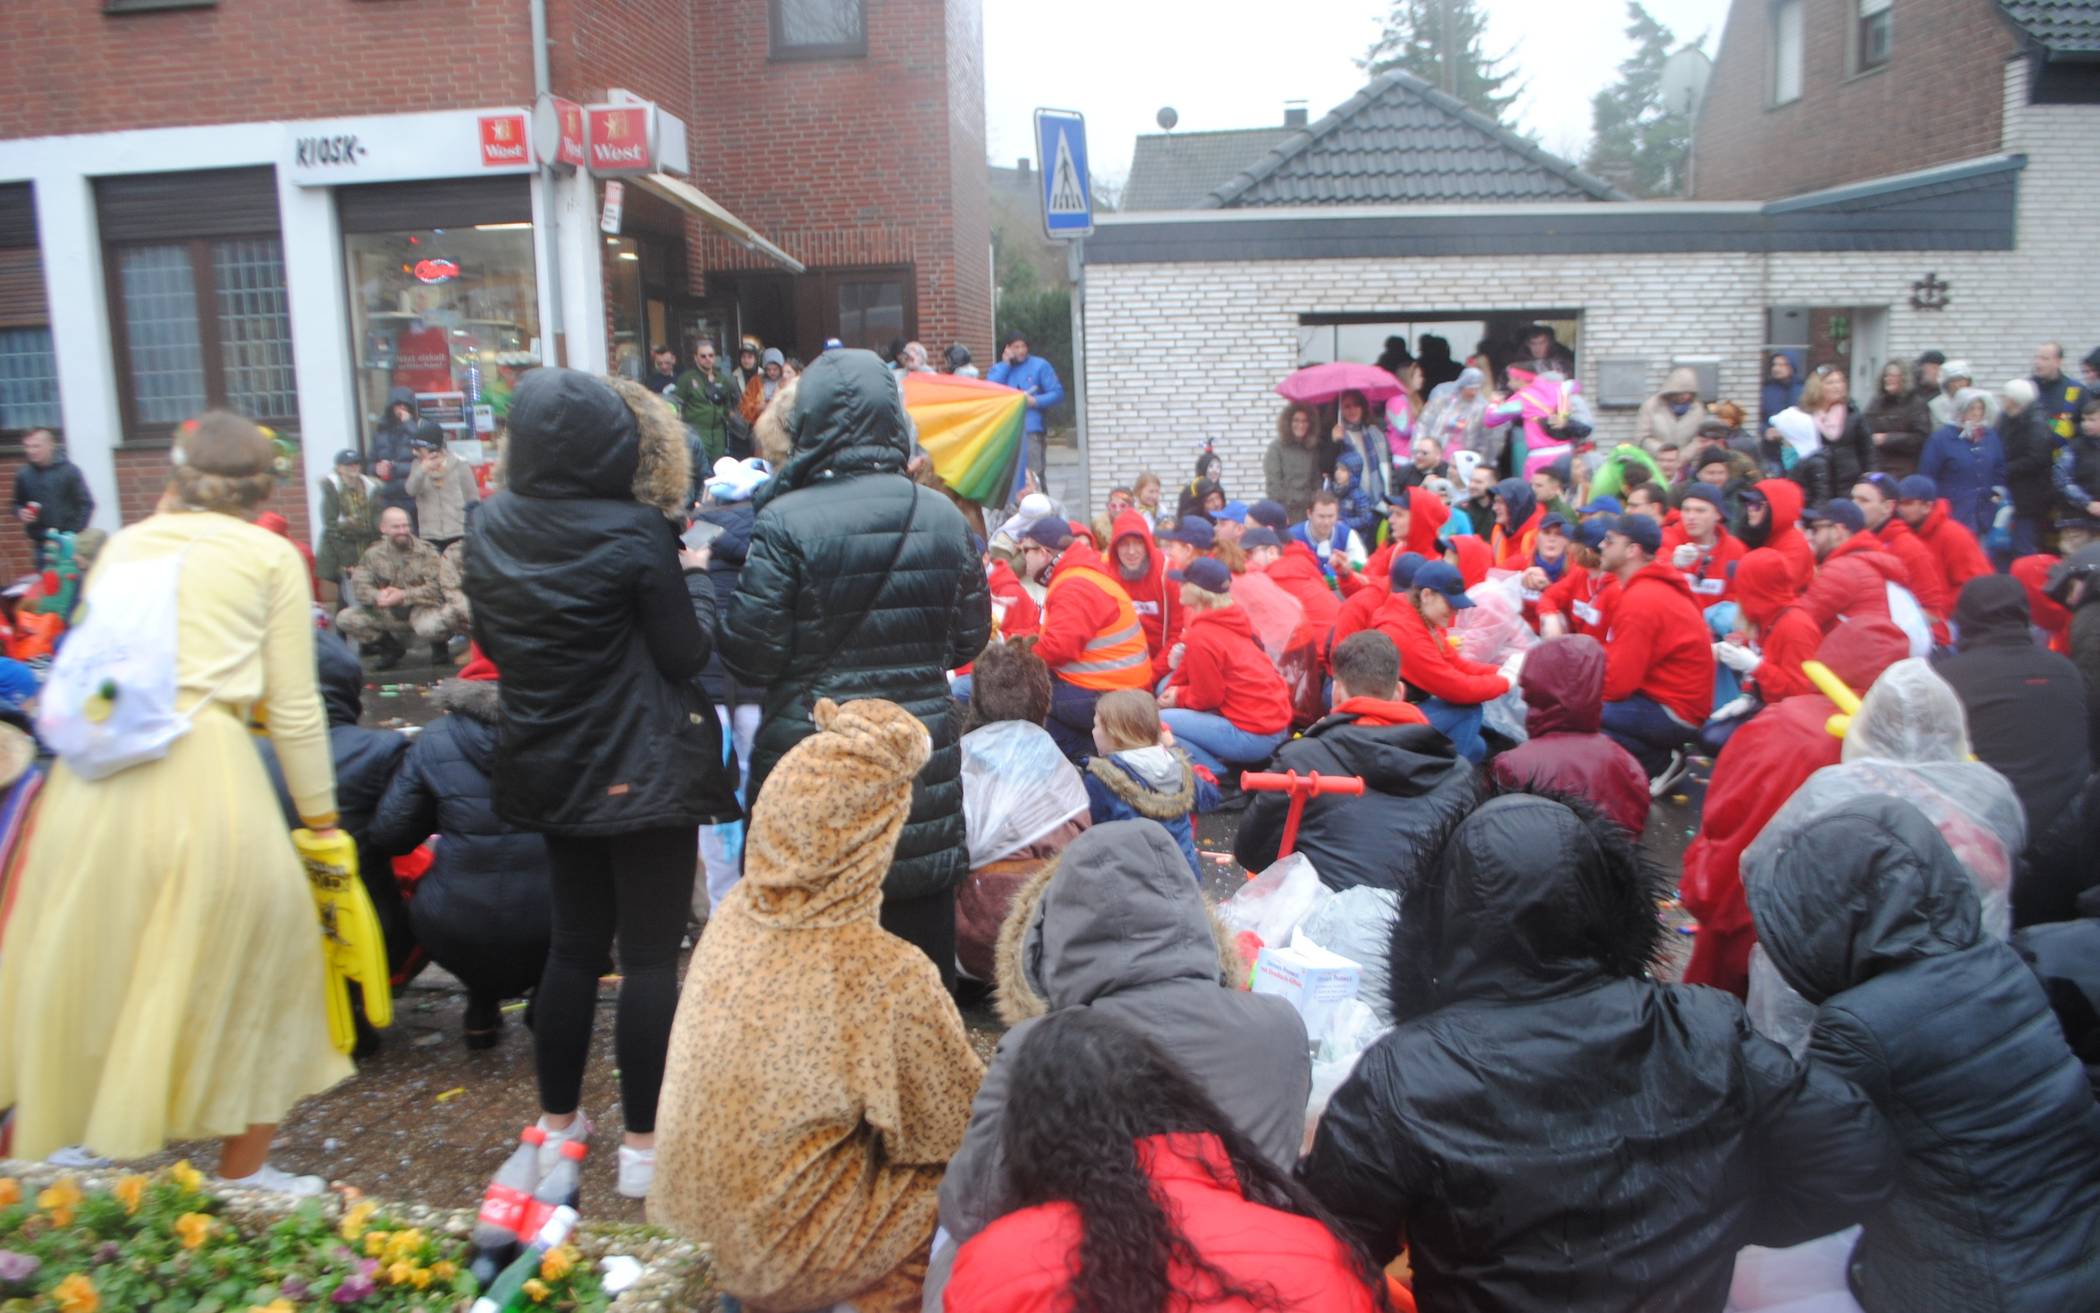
(2062, 27)
(1176, 170)
(1402, 141)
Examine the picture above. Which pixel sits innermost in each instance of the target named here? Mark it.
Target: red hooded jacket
(1299, 575)
(1659, 645)
(1960, 556)
(1708, 578)
(1786, 538)
(1025, 1261)
(1927, 583)
(1428, 662)
(1853, 582)
(1083, 611)
(1223, 670)
(1475, 558)
(1020, 616)
(1563, 686)
(2050, 616)
(1426, 514)
(1148, 592)
(1585, 598)
(1759, 769)
(1786, 636)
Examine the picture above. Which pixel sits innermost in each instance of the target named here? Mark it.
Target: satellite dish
(1167, 118)
(1683, 82)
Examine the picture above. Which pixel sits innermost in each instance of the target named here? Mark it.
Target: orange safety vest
(1116, 658)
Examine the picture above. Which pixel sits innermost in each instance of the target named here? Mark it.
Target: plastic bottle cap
(574, 1149)
(533, 1135)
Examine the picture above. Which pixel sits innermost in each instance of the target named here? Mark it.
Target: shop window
(1786, 51)
(1871, 35)
(871, 312)
(28, 381)
(819, 29)
(229, 346)
(623, 307)
(451, 314)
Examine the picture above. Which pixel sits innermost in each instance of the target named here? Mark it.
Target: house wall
(1177, 354)
(1937, 100)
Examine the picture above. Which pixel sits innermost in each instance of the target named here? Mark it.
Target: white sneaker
(637, 1172)
(268, 1177)
(78, 1157)
(550, 1150)
(1680, 766)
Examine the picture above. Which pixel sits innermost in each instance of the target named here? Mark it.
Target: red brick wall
(68, 67)
(1940, 98)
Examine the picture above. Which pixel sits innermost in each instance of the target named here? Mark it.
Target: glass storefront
(452, 314)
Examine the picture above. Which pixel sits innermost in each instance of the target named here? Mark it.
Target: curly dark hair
(1009, 682)
(1088, 1090)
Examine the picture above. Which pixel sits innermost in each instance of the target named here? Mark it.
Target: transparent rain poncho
(1017, 787)
(1910, 740)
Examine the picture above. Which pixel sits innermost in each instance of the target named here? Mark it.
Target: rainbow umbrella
(971, 429)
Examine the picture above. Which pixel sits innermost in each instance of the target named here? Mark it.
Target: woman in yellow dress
(161, 976)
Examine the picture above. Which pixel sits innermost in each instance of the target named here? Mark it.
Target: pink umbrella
(1317, 383)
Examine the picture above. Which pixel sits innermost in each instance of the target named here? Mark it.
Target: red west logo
(503, 140)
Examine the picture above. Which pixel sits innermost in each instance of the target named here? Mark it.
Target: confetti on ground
(518, 1006)
(1680, 798)
(451, 1094)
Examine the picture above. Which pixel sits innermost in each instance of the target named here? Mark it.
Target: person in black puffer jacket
(1549, 1128)
(393, 455)
(860, 584)
(365, 761)
(1871, 917)
(1416, 786)
(601, 625)
(736, 704)
(481, 911)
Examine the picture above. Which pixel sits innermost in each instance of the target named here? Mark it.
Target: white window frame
(1865, 12)
(1784, 78)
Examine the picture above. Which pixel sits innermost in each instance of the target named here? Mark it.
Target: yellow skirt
(161, 977)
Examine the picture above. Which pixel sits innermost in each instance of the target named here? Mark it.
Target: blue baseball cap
(1554, 521)
(1236, 511)
(1270, 513)
(1838, 510)
(1603, 506)
(1405, 567)
(1193, 530)
(1705, 492)
(1260, 535)
(1207, 573)
(1443, 578)
(1917, 487)
(1640, 529)
(1591, 533)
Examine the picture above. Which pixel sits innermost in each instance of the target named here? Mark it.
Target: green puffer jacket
(861, 584)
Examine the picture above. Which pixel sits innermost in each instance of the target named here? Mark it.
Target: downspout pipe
(542, 88)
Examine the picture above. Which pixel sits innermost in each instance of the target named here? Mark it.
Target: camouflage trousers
(405, 624)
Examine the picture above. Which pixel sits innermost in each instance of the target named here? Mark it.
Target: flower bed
(112, 1242)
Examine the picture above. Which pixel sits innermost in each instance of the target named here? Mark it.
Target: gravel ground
(424, 1119)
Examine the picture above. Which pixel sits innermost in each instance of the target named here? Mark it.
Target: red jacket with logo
(1585, 598)
(1428, 662)
(1708, 577)
(1659, 645)
(1223, 670)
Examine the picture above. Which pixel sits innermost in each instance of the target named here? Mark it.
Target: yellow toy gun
(351, 940)
(1840, 693)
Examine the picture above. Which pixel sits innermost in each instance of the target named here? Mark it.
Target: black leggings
(636, 888)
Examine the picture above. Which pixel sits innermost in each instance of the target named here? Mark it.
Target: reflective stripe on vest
(1114, 659)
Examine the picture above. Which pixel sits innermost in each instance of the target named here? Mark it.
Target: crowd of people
(743, 664)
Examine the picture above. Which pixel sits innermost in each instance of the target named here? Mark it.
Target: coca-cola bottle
(503, 1208)
(560, 1188)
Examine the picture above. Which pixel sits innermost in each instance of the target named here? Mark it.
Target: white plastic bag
(1358, 924)
(1351, 1033)
(1017, 787)
(1272, 904)
(1776, 1011)
(1493, 628)
(1806, 1278)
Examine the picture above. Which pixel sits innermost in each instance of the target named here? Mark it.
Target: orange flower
(130, 1191)
(375, 1243)
(194, 1228)
(60, 1200)
(76, 1294)
(537, 1289)
(357, 1219)
(186, 1176)
(444, 1269)
(558, 1263)
(10, 1192)
(398, 1274)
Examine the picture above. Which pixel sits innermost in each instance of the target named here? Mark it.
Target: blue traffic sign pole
(1068, 215)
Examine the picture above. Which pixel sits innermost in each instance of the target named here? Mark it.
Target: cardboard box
(1314, 980)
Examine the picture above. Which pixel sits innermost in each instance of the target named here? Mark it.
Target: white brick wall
(1180, 353)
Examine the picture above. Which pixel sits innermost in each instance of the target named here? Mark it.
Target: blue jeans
(1215, 742)
(1641, 725)
(1460, 724)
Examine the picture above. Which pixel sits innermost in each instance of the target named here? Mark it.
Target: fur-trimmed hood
(1117, 910)
(1141, 794)
(476, 699)
(663, 476)
(575, 436)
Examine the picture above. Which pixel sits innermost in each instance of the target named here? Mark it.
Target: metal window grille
(255, 328)
(160, 327)
(28, 380)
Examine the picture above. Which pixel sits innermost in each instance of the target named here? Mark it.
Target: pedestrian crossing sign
(1068, 190)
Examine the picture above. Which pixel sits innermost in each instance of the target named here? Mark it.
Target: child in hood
(819, 1077)
(1140, 773)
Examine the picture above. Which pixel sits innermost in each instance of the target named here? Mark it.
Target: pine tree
(1440, 42)
(1640, 145)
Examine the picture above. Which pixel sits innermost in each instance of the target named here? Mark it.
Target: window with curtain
(1786, 51)
(818, 29)
(1871, 36)
(204, 323)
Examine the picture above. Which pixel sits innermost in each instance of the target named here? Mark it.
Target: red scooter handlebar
(1300, 787)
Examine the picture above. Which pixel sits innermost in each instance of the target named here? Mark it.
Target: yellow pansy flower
(403, 1244)
(397, 1275)
(130, 1191)
(60, 1200)
(558, 1263)
(375, 1243)
(194, 1228)
(76, 1294)
(356, 1220)
(274, 1306)
(538, 1290)
(186, 1176)
(444, 1269)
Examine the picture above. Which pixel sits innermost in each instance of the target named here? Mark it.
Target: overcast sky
(1233, 63)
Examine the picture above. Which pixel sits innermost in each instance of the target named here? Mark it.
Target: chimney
(1294, 113)
(1024, 166)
